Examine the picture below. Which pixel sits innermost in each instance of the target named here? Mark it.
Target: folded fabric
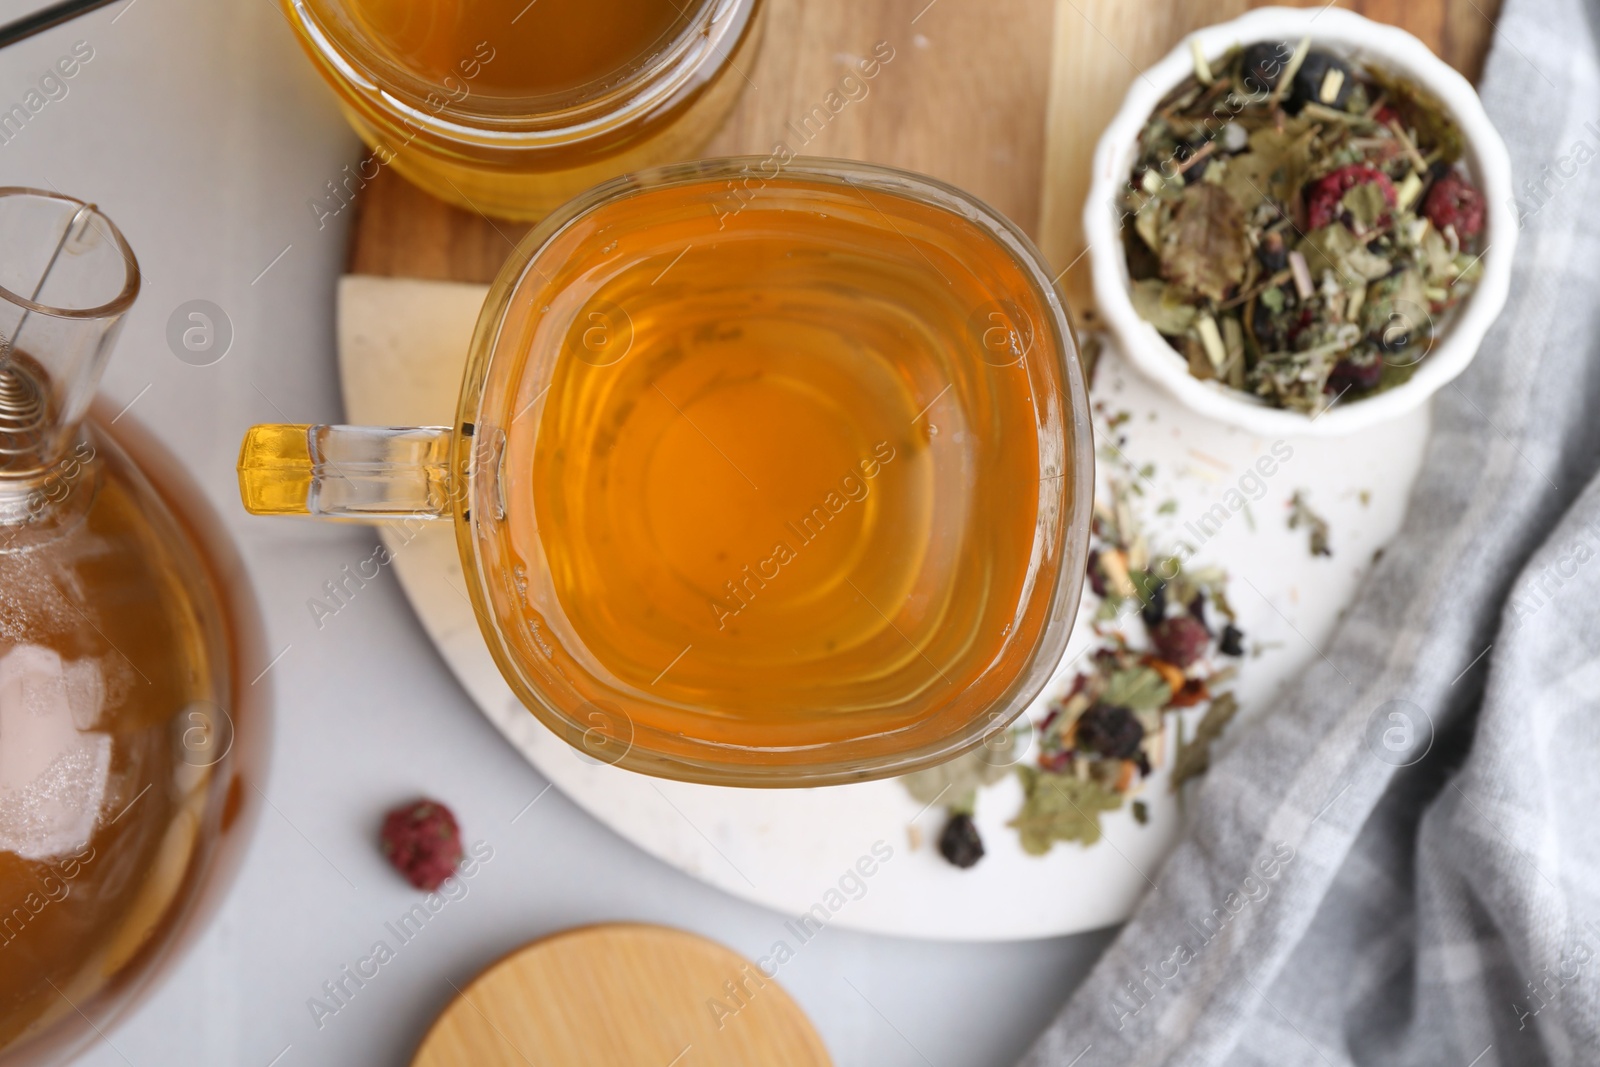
(1399, 863)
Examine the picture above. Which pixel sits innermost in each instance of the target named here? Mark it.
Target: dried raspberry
(1109, 730)
(423, 842)
(1056, 762)
(1322, 199)
(1097, 578)
(1454, 202)
(1181, 639)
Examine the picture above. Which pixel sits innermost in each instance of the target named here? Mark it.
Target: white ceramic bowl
(1363, 41)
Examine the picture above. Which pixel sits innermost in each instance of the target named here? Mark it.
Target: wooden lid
(622, 994)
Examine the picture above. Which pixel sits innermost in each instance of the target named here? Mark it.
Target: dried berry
(1058, 762)
(1192, 172)
(1097, 578)
(1110, 731)
(423, 842)
(1324, 199)
(1351, 374)
(1454, 202)
(1154, 608)
(1261, 65)
(1273, 252)
(1232, 643)
(959, 841)
(1323, 78)
(1181, 639)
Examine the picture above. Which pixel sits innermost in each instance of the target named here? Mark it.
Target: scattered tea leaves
(1104, 737)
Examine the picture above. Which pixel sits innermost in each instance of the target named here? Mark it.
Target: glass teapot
(114, 657)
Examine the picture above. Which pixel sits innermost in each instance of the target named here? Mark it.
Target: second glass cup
(761, 475)
(510, 109)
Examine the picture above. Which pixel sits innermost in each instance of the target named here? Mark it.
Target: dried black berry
(1155, 608)
(1194, 171)
(1232, 643)
(1361, 377)
(959, 842)
(1111, 731)
(1312, 77)
(1261, 65)
(1273, 252)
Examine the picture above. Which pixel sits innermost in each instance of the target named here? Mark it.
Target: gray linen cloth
(1400, 862)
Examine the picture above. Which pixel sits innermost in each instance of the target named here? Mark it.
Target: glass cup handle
(347, 472)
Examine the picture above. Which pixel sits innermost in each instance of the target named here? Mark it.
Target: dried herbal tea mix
(1298, 228)
(1105, 735)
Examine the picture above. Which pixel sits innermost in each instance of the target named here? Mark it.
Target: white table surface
(199, 127)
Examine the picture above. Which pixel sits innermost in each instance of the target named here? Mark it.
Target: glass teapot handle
(347, 472)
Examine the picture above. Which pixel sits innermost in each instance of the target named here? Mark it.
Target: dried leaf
(1275, 166)
(1139, 689)
(955, 784)
(1435, 130)
(1195, 757)
(1204, 248)
(1335, 248)
(1060, 807)
(1157, 303)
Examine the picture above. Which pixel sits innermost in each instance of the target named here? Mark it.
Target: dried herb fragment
(1300, 514)
(1060, 807)
(1194, 758)
(955, 784)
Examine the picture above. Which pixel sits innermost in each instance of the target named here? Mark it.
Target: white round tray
(402, 345)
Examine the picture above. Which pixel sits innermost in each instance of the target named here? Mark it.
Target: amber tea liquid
(102, 650)
(783, 486)
(552, 47)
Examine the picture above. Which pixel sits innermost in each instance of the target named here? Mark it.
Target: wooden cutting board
(1004, 98)
(623, 994)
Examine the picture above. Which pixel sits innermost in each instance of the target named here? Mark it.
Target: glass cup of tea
(761, 474)
(510, 109)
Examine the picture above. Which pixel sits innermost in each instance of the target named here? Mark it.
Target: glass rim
(538, 119)
(131, 281)
(1042, 659)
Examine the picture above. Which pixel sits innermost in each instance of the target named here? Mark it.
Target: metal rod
(44, 18)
